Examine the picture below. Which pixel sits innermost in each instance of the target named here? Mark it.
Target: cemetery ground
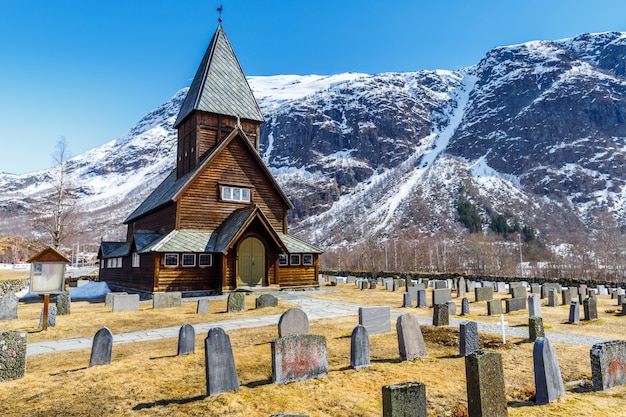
(148, 379)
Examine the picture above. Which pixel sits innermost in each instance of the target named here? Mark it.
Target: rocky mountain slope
(534, 132)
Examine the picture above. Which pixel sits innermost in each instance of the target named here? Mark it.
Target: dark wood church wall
(141, 278)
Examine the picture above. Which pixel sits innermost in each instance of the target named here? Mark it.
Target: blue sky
(88, 70)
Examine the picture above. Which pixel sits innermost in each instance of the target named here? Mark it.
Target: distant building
(219, 220)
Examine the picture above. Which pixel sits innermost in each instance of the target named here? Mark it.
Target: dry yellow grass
(147, 379)
(13, 274)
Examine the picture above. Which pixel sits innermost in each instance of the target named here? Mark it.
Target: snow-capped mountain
(535, 132)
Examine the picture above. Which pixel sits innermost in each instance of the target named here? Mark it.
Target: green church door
(251, 262)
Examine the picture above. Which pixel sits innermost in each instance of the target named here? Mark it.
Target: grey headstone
(534, 305)
(108, 298)
(221, 373)
(501, 287)
(121, 302)
(298, 357)
(236, 302)
(602, 290)
(483, 293)
(293, 321)
(590, 306)
(362, 284)
(535, 289)
(167, 299)
(548, 381)
(468, 340)
(553, 298)
(440, 284)
(406, 300)
(376, 320)
(465, 310)
(8, 306)
(574, 312)
(566, 296)
(494, 307)
(64, 304)
(535, 328)
(52, 316)
(620, 299)
(101, 347)
(517, 291)
(441, 315)
(440, 296)
(412, 290)
(351, 279)
(461, 287)
(203, 306)
(421, 299)
(451, 308)
(13, 346)
(582, 289)
(407, 399)
(515, 304)
(608, 364)
(372, 284)
(266, 300)
(186, 340)
(485, 384)
(410, 340)
(545, 289)
(359, 348)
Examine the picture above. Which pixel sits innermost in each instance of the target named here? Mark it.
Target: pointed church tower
(218, 100)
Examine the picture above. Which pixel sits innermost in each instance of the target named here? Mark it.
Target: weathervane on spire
(219, 9)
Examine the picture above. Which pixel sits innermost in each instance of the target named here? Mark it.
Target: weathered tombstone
(566, 297)
(351, 279)
(545, 289)
(483, 293)
(293, 321)
(167, 299)
(441, 315)
(535, 289)
(64, 304)
(410, 340)
(535, 328)
(602, 290)
(574, 312)
(440, 296)
(468, 343)
(461, 287)
(451, 308)
(485, 384)
(407, 399)
(421, 299)
(515, 304)
(52, 317)
(623, 312)
(125, 302)
(590, 306)
(620, 299)
(12, 355)
(591, 292)
(534, 305)
(359, 348)
(186, 340)
(266, 300)
(236, 302)
(582, 289)
(298, 357)
(406, 300)
(553, 299)
(108, 298)
(101, 348)
(203, 306)
(221, 373)
(501, 287)
(465, 310)
(440, 284)
(398, 284)
(372, 284)
(412, 290)
(376, 320)
(494, 307)
(608, 364)
(548, 381)
(8, 306)
(517, 291)
(363, 284)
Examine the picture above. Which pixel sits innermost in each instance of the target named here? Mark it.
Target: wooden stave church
(218, 222)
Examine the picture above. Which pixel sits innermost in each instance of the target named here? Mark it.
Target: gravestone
(535, 289)
(608, 364)
(535, 328)
(351, 279)
(359, 348)
(266, 300)
(108, 298)
(485, 384)
(186, 340)
(410, 340)
(421, 299)
(602, 290)
(376, 320)
(203, 306)
(406, 300)
(501, 287)
(517, 291)
(406, 399)
(534, 305)
(125, 302)
(293, 321)
(440, 284)
(494, 307)
(236, 302)
(465, 310)
(620, 299)
(362, 284)
(553, 298)
(52, 317)
(101, 348)
(221, 373)
(545, 289)
(515, 304)
(440, 296)
(574, 312)
(13, 345)
(298, 357)
(441, 315)
(590, 306)
(451, 308)
(63, 304)
(372, 284)
(582, 289)
(483, 293)
(566, 296)
(397, 284)
(8, 306)
(468, 343)
(167, 299)
(548, 381)
(461, 287)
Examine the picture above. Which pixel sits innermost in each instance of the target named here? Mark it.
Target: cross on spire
(219, 9)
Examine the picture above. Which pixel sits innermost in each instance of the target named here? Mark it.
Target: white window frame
(208, 256)
(283, 259)
(170, 255)
(186, 257)
(295, 256)
(118, 262)
(136, 262)
(236, 194)
(307, 259)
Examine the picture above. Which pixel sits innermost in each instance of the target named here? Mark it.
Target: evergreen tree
(468, 215)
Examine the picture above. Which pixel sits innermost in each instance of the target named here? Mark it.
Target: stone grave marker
(108, 298)
(299, 357)
(440, 284)
(186, 340)
(485, 384)
(372, 284)
(535, 328)
(515, 304)
(405, 399)
(376, 320)
(440, 296)
(13, 346)
(548, 381)
(451, 308)
(483, 293)
(266, 300)
(553, 298)
(64, 304)
(441, 315)
(518, 291)
(574, 312)
(566, 297)
(535, 289)
(52, 317)
(203, 306)
(501, 287)
(406, 300)
(359, 348)
(591, 292)
(236, 302)
(545, 289)
(101, 348)
(534, 305)
(590, 306)
(125, 302)
(461, 287)
(8, 306)
(410, 340)
(167, 299)
(421, 299)
(602, 290)
(494, 307)
(468, 337)
(465, 310)
(608, 364)
(620, 299)
(221, 373)
(362, 284)
(293, 321)
(351, 279)
(623, 312)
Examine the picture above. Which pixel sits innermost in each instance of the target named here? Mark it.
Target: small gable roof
(220, 85)
(49, 254)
